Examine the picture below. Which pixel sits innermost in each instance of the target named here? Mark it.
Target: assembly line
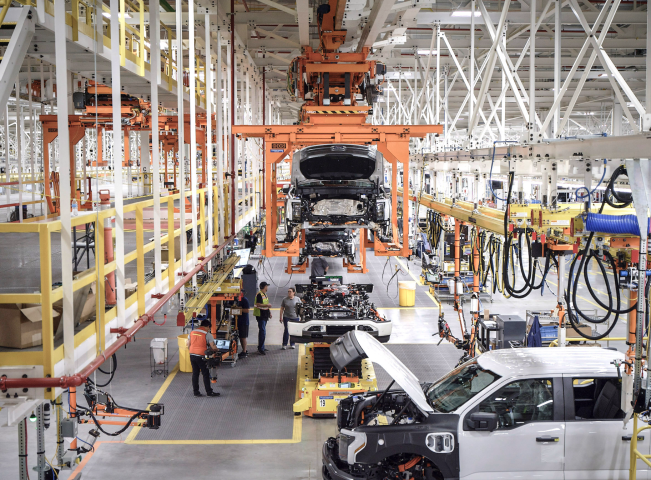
(344, 240)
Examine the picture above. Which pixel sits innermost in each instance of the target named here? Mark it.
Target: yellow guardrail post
(100, 292)
(75, 20)
(140, 260)
(47, 325)
(202, 221)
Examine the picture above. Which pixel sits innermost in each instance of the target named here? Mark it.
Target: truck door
(528, 441)
(597, 445)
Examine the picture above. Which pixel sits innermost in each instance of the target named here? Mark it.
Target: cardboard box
(21, 324)
(83, 301)
(129, 288)
(571, 333)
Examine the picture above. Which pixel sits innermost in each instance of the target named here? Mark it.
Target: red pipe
(80, 378)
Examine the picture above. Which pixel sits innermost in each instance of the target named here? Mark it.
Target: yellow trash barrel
(184, 354)
(407, 292)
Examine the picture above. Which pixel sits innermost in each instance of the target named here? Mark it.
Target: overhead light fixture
(464, 13)
(422, 51)
(603, 74)
(397, 40)
(108, 15)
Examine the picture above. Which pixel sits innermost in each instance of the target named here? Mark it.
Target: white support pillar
(209, 131)
(557, 65)
(117, 161)
(471, 103)
(193, 135)
(219, 141)
(20, 128)
(532, 74)
(616, 120)
(180, 133)
(32, 134)
(438, 76)
(154, 38)
(64, 188)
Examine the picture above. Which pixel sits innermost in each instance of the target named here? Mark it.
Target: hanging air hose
(602, 224)
(508, 258)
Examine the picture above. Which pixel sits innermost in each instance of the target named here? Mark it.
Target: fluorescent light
(464, 13)
(603, 74)
(422, 51)
(108, 15)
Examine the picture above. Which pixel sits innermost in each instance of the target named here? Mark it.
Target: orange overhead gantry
(325, 126)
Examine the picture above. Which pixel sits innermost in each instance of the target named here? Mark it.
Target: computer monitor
(223, 344)
(243, 261)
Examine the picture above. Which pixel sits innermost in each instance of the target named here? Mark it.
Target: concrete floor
(117, 459)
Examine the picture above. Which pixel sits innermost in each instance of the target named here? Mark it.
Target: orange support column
(475, 277)
(632, 329)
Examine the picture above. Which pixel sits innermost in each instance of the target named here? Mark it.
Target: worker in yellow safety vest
(262, 314)
(198, 342)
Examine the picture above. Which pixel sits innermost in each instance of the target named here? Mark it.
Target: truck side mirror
(482, 421)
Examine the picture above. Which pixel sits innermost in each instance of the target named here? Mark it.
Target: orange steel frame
(77, 125)
(282, 140)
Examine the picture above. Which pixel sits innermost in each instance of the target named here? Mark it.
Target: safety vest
(265, 301)
(198, 343)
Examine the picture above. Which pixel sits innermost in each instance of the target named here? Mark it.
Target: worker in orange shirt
(198, 342)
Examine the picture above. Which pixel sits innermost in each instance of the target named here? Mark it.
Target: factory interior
(359, 240)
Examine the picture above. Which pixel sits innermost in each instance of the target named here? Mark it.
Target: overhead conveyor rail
(461, 212)
(216, 285)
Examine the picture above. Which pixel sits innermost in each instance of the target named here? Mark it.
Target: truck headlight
(350, 443)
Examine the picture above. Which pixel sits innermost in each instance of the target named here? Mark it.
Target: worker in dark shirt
(243, 324)
(262, 315)
(319, 267)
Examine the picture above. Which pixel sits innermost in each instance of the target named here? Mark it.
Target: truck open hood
(357, 344)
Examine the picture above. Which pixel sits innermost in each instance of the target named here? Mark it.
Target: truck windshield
(459, 386)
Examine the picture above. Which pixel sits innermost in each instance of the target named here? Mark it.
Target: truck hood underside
(357, 344)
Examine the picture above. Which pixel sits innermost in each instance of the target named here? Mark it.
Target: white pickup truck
(531, 413)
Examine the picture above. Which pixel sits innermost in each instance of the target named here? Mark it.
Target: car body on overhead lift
(543, 413)
(338, 185)
(329, 242)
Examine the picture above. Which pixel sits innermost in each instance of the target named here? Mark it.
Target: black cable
(586, 254)
(114, 365)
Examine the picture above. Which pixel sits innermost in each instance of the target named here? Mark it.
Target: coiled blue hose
(613, 224)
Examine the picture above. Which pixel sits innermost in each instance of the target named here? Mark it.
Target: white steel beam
(14, 55)
(209, 132)
(193, 134)
(116, 91)
(154, 38)
(64, 188)
(373, 27)
(303, 14)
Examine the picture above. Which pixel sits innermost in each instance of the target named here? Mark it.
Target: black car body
(338, 185)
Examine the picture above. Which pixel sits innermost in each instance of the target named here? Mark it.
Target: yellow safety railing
(50, 353)
(635, 454)
(134, 43)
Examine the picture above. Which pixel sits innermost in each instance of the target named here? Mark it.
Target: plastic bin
(407, 293)
(184, 354)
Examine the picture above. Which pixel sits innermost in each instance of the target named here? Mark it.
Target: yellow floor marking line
(297, 430)
(433, 300)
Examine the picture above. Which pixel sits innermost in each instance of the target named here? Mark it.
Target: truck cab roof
(534, 361)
